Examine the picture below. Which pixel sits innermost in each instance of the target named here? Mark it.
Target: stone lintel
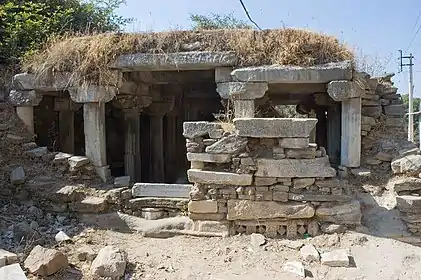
(193, 130)
(174, 61)
(205, 157)
(219, 178)
(132, 101)
(242, 90)
(276, 74)
(57, 82)
(161, 190)
(24, 98)
(295, 168)
(274, 127)
(343, 90)
(92, 94)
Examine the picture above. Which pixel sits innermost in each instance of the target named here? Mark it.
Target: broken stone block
(332, 228)
(61, 236)
(158, 202)
(394, 110)
(361, 172)
(294, 143)
(90, 204)
(110, 262)
(343, 90)
(309, 253)
(408, 203)
(368, 121)
(231, 144)
(37, 152)
(384, 156)
(295, 168)
(45, 262)
(373, 112)
(407, 184)
(257, 240)
(406, 164)
(23, 81)
(153, 213)
(241, 90)
(193, 130)
(219, 178)
(264, 181)
(18, 176)
(205, 157)
(255, 210)
(24, 97)
(29, 146)
(8, 257)
(86, 254)
(295, 267)
(373, 161)
(367, 102)
(61, 158)
(12, 272)
(348, 213)
(203, 206)
(317, 197)
(274, 127)
(301, 183)
(161, 190)
(222, 227)
(308, 153)
(280, 196)
(395, 122)
(77, 162)
(123, 181)
(337, 258)
(223, 74)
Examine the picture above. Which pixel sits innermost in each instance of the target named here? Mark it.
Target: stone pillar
(334, 133)
(25, 101)
(351, 132)
(157, 143)
(26, 114)
(132, 159)
(243, 95)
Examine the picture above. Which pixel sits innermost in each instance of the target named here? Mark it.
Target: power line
(413, 38)
(248, 15)
(416, 21)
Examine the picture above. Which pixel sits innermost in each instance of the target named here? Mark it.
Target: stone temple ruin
(256, 172)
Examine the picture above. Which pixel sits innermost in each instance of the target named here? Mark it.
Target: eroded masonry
(168, 128)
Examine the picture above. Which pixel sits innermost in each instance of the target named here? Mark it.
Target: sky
(376, 29)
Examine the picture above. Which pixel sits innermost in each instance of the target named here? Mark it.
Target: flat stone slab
(161, 190)
(275, 127)
(295, 168)
(255, 210)
(408, 203)
(193, 130)
(158, 202)
(337, 258)
(219, 178)
(92, 93)
(205, 157)
(241, 90)
(407, 184)
(175, 61)
(317, 197)
(276, 74)
(348, 213)
(12, 272)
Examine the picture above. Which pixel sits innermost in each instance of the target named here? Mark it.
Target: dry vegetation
(88, 57)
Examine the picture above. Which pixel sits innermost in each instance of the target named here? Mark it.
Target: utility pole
(410, 95)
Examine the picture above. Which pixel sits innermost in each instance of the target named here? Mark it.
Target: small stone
(332, 228)
(292, 244)
(294, 143)
(86, 254)
(309, 253)
(384, 156)
(18, 176)
(45, 262)
(37, 152)
(62, 237)
(361, 172)
(110, 262)
(34, 225)
(295, 268)
(257, 240)
(91, 204)
(337, 258)
(77, 161)
(10, 258)
(29, 146)
(301, 183)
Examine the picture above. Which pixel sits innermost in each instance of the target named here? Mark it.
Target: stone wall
(263, 175)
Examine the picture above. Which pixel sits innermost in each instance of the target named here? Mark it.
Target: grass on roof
(88, 57)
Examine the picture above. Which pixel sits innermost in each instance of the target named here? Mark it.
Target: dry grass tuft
(88, 57)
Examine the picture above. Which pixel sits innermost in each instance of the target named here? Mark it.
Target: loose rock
(337, 258)
(110, 262)
(309, 253)
(62, 237)
(45, 262)
(257, 240)
(295, 268)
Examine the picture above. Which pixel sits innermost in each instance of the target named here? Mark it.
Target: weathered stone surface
(77, 161)
(198, 60)
(219, 178)
(86, 253)
(294, 143)
(373, 112)
(242, 90)
(301, 183)
(265, 181)
(61, 236)
(408, 203)
(159, 202)
(193, 130)
(223, 74)
(110, 262)
(275, 127)
(24, 98)
(361, 172)
(37, 152)
(372, 161)
(203, 206)
(384, 156)
(254, 210)
(295, 168)
(23, 81)
(366, 102)
(280, 196)
(295, 74)
(392, 97)
(45, 262)
(92, 93)
(90, 204)
(257, 240)
(342, 90)
(18, 176)
(205, 157)
(385, 102)
(332, 228)
(345, 213)
(385, 89)
(61, 158)
(407, 184)
(407, 164)
(368, 121)
(231, 144)
(295, 267)
(308, 153)
(8, 257)
(395, 122)
(394, 110)
(161, 190)
(123, 181)
(309, 253)
(222, 227)
(337, 258)
(317, 197)
(12, 272)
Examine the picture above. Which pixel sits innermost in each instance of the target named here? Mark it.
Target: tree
(26, 25)
(215, 21)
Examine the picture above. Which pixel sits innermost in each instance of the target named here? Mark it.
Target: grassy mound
(88, 57)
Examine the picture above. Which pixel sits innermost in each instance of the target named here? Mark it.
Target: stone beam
(175, 77)
(276, 74)
(174, 61)
(92, 94)
(343, 90)
(132, 101)
(351, 136)
(241, 90)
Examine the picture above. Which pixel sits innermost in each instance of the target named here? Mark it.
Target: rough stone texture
(61, 158)
(294, 143)
(231, 144)
(395, 122)
(61, 236)
(332, 228)
(198, 60)
(255, 210)
(384, 156)
(24, 98)
(257, 240)
(45, 262)
(9, 258)
(203, 206)
(86, 253)
(158, 202)
(295, 267)
(295, 74)
(317, 197)
(37, 152)
(123, 181)
(18, 176)
(241, 90)
(193, 130)
(373, 112)
(368, 120)
(92, 94)
(407, 184)
(274, 127)
(407, 164)
(264, 181)
(219, 178)
(12, 272)
(23, 81)
(161, 190)
(346, 213)
(205, 157)
(77, 161)
(221, 227)
(223, 74)
(301, 183)
(295, 168)
(337, 258)
(309, 253)
(394, 110)
(110, 262)
(90, 204)
(408, 203)
(342, 90)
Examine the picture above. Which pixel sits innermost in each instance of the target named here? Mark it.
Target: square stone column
(351, 132)
(25, 101)
(132, 158)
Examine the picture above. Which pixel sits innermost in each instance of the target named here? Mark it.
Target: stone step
(161, 190)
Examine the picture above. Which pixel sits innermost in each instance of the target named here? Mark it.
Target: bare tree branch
(248, 15)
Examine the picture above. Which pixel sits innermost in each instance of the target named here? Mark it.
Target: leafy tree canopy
(26, 25)
(215, 21)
